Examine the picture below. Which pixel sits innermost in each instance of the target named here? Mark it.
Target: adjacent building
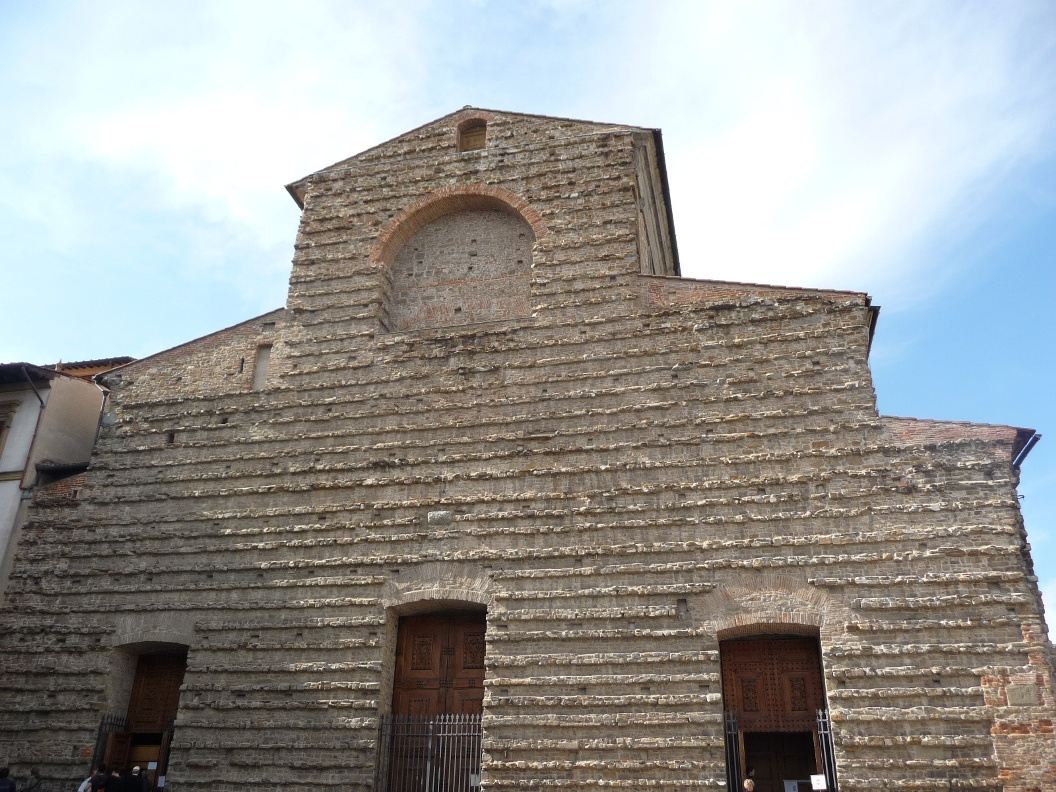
(48, 423)
(500, 501)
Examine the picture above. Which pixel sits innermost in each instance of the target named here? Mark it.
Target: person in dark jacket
(6, 784)
(137, 782)
(100, 779)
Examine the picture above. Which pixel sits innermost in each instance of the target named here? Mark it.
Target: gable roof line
(951, 422)
(17, 371)
(867, 300)
(292, 187)
(101, 377)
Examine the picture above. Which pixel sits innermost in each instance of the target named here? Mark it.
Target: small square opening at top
(472, 135)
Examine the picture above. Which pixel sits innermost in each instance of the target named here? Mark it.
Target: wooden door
(440, 665)
(774, 684)
(156, 693)
(118, 745)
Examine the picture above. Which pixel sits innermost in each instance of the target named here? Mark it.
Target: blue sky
(904, 149)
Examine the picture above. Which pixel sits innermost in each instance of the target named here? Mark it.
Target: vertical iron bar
(733, 752)
(828, 750)
(429, 754)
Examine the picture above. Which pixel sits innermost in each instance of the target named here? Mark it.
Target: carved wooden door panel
(466, 695)
(773, 685)
(417, 690)
(440, 665)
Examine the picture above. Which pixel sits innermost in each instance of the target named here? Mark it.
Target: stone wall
(634, 470)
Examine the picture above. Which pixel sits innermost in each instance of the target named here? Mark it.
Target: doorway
(774, 696)
(152, 711)
(780, 757)
(432, 740)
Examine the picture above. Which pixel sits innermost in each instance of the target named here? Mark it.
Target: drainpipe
(1033, 441)
(34, 387)
(102, 412)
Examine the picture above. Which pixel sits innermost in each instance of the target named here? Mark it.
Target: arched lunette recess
(450, 199)
(458, 256)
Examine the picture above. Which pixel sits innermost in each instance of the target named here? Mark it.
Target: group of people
(134, 780)
(7, 784)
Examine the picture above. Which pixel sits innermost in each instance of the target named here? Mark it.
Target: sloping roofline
(928, 431)
(118, 369)
(295, 188)
(12, 373)
(292, 187)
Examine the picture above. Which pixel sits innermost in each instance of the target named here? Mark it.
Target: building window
(260, 367)
(472, 135)
(7, 417)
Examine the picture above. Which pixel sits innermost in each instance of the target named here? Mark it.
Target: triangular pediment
(440, 138)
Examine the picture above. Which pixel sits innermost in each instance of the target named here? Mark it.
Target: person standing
(6, 784)
(86, 785)
(33, 782)
(100, 781)
(137, 782)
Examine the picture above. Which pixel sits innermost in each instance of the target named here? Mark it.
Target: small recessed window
(472, 135)
(260, 368)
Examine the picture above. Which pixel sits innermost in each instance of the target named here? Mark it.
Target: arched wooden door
(773, 687)
(433, 736)
(440, 665)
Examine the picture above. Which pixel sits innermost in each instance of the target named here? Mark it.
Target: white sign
(791, 786)
(152, 765)
(818, 781)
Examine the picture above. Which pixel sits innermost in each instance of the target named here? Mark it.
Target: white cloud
(829, 141)
(216, 105)
(809, 144)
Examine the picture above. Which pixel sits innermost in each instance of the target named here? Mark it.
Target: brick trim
(444, 201)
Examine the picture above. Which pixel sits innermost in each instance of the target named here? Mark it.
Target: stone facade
(623, 466)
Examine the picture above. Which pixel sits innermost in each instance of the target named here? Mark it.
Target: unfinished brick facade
(620, 468)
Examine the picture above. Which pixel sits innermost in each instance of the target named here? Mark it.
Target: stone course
(624, 469)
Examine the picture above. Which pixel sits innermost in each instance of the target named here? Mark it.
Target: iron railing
(108, 724)
(733, 752)
(828, 751)
(434, 753)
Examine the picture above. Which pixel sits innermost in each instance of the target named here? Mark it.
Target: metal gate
(828, 751)
(733, 752)
(429, 753)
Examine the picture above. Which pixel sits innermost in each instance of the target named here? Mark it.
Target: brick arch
(445, 201)
(429, 586)
(773, 603)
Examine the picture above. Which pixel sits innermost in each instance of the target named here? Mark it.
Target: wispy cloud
(203, 109)
(826, 143)
(819, 143)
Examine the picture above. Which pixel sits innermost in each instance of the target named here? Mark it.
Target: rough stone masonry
(491, 391)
